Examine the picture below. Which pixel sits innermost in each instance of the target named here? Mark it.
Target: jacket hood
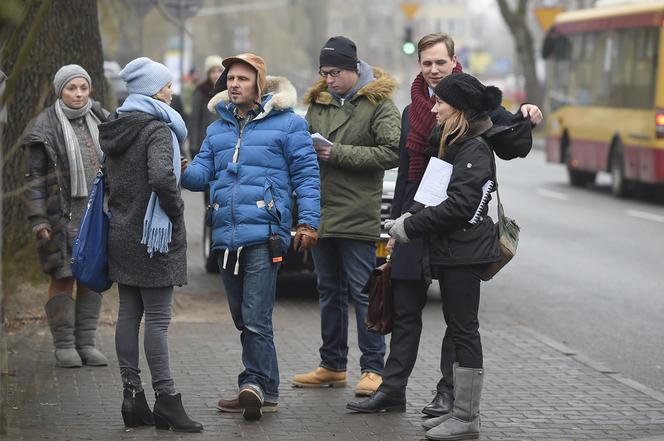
(376, 91)
(116, 136)
(282, 95)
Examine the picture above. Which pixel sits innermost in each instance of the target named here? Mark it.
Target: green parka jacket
(365, 132)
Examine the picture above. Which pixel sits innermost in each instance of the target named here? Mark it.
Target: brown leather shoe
(233, 406)
(368, 384)
(320, 377)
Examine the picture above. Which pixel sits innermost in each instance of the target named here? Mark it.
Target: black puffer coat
(47, 192)
(139, 151)
(450, 238)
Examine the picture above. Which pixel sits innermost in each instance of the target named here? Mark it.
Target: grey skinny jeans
(156, 304)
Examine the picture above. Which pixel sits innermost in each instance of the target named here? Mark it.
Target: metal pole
(182, 21)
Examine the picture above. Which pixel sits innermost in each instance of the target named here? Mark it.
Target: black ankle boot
(379, 402)
(441, 404)
(135, 409)
(169, 414)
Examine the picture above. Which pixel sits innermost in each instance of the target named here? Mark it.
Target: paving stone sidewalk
(535, 389)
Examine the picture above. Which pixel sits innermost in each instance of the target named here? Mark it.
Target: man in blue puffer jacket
(253, 158)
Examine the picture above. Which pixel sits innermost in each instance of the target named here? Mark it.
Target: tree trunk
(69, 34)
(525, 47)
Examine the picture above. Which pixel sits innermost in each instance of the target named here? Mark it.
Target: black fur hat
(467, 93)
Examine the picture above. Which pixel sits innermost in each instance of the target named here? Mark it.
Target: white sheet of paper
(317, 138)
(433, 187)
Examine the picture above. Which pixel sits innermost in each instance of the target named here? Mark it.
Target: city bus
(605, 70)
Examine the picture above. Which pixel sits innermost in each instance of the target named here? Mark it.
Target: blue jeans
(250, 296)
(343, 267)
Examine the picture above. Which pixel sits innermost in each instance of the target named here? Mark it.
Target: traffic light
(408, 47)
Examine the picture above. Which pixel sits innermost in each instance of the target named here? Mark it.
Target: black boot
(441, 404)
(169, 414)
(379, 402)
(135, 409)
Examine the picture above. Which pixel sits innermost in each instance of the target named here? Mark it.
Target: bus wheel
(619, 185)
(577, 178)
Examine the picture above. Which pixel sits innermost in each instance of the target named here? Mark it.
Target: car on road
(302, 263)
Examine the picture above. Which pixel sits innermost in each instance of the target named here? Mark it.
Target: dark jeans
(250, 296)
(460, 290)
(409, 296)
(343, 267)
(155, 303)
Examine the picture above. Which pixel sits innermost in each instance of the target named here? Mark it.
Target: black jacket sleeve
(472, 168)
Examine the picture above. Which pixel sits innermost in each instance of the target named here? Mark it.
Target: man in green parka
(350, 106)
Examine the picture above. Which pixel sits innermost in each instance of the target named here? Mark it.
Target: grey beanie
(67, 73)
(145, 77)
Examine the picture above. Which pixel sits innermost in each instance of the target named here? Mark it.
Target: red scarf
(420, 125)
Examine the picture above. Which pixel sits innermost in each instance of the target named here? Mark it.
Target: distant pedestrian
(256, 156)
(350, 105)
(147, 242)
(63, 156)
(201, 118)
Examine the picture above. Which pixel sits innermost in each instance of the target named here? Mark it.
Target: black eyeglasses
(332, 73)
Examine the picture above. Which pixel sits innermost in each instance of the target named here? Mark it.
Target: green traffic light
(408, 48)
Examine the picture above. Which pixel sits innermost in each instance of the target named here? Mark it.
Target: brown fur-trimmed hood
(284, 95)
(380, 89)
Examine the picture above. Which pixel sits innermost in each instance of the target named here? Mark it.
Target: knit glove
(305, 238)
(396, 228)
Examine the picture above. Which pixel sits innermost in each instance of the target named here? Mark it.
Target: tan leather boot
(320, 377)
(368, 384)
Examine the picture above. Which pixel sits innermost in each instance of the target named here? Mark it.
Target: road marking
(552, 194)
(645, 215)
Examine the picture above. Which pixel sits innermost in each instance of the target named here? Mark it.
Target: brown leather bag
(381, 308)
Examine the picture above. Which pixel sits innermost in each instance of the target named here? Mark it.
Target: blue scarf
(157, 227)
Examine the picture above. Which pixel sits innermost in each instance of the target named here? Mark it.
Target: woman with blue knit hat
(460, 238)
(63, 156)
(147, 238)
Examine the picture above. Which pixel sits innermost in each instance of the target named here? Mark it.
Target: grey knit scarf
(79, 184)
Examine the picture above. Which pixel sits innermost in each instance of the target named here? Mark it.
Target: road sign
(546, 16)
(182, 9)
(410, 9)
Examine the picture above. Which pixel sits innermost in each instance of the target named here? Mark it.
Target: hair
(430, 40)
(456, 125)
(159, 96)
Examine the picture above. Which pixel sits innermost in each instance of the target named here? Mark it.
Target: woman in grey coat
(63, 156)
(147, 239)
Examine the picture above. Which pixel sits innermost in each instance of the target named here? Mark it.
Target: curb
(596, 365)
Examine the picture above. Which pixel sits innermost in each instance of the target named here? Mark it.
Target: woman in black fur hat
(460, 236)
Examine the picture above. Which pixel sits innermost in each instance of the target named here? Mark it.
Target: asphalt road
(589, 271)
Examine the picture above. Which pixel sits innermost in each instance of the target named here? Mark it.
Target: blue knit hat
(145, 77)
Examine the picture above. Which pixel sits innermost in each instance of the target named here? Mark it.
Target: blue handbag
(89, 259)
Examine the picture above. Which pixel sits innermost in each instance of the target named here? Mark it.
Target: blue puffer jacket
(252, 193)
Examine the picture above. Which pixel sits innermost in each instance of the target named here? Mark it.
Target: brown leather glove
(305, 238)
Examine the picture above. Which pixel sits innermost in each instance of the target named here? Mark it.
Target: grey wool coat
(47, 189)
(139, 151)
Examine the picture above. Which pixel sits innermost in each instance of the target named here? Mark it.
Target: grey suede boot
(60, 311)
(437, 421)
(88, 304)
(465, 420)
